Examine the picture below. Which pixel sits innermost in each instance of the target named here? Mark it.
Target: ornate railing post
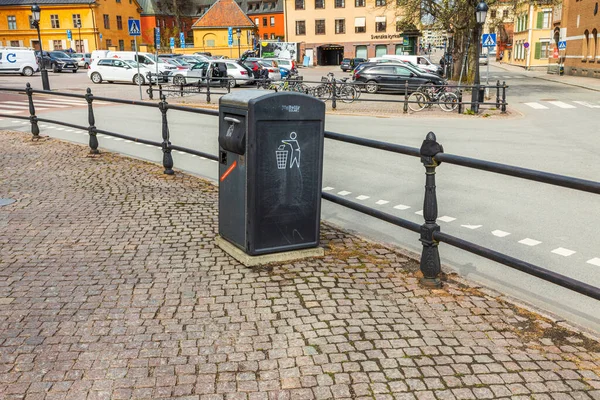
(498, 94)
(405, 110)
(460, 102)
(503, 97)
(92, 122)
(334, 94)
(149, 91)
(430, 257)
(166, 144)
(208, 89)
(35, 129)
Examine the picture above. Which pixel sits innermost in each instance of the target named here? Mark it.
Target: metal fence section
(430, 153)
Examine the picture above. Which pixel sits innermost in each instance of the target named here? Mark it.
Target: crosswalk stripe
(21, 107)
(25, 104)
(8, 111)
(51, 104)
(586, 104)
(536, 106)
(561, 104)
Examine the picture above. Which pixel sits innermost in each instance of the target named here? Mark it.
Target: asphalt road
(552, 227)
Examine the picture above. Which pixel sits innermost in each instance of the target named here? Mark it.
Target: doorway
(330, 54)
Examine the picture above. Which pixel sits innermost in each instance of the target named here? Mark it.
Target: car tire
(54, 68)
(371, 87)
(138, 79)
(96, 77)
(179, 80)
(231, 82)
(86, 66)
(27, 71)
(75, 70)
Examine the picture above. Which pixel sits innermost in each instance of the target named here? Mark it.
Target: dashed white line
(381, 202)
(344, 193)
(472, 226)
(8, 111)
(328, 188)
(362, 197)
(561, 251)
(586, 104)
(536, 106)
(116, 138)
(419, 212)
(561, 104)
(529, 242)
(446, 218)
(21, 107)
(500, 233)
(60, 129)
(594, 261)
(401, 207)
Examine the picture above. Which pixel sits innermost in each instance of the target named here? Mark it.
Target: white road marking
(117, 139)
(536, 106)
(328, 188)
(517, 77)
(561, 104)
(401, 207)
(446, 218)
(586, 104)
(204, 158)
(68, 130)
(561, 251)
(499, 233)
(60, 129)
(419, 212)
(43, 103)
(381, 202)
(529, 242)
(8, 111)
(362, 197)
(472, 226)
(594, 261)
(15, 122)
(70, 102)
(344, 193)
(21, 107)
(24, 122)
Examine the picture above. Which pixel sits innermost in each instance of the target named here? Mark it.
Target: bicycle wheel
(448, 101)
(323, 92)
(348, 94)
(417, 101)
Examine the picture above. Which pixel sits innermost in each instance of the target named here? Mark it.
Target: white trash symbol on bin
(290, 149)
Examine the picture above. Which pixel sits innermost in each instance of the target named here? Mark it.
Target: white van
(147, 59)
(18, 60)
(421, 61)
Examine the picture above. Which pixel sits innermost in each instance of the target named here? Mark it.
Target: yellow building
(211, 31)
(532, 44)
(93, 24)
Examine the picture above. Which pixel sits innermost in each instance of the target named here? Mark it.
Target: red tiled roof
(223, 14)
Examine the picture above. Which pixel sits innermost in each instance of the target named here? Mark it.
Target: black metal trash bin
(270, 170)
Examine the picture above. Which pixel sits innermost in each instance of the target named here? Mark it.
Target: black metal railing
(430, 153)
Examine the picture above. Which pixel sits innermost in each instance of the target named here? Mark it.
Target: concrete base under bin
(252, 261)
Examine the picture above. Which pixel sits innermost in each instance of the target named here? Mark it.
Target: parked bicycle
(428, 95)
(291, 83)
(344, 91)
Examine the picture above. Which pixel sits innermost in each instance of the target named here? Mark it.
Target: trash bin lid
(241, 98)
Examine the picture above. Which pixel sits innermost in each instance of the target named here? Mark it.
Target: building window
(595, 48)
(586, 44)
(121, 45)
(319, 26)
(76, 20)
(272, 36)
(340, 26)
(256, 21)
(493, 13)
(359, 3)
(340, 3)
(272, 21)
(299, 4)
(119, 22)
(380, 24)
(504, 14)
(360, 24)
(108, 42)
(266, 36)
(133, 44)
(545, 50)
(319, 3)
(118, 1)
(210, 43)
(380, 3)
(31, 22)
(106, 21)
(15, 43)
(12, 22)
(264, 21)
(79, 46)
(57, 44)
(398, 26)
(300, 28)
(547, 19)
(54, 21)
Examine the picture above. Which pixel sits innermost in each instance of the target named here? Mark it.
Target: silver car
(84, 60)
(237, 74)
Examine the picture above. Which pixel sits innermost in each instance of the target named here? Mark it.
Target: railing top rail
(203, 111)
(375, 144)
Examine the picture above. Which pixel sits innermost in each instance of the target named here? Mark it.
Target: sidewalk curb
(552, 80)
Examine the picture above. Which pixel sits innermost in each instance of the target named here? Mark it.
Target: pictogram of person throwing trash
(289, 149)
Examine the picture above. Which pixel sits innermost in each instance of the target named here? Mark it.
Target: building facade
(91, 25)
(330, 30)
(532, 37)
(162, 15)
(500, 21)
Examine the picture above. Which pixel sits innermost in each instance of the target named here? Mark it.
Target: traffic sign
(157, 38)
(230, 36)
(172, 42)
(69, 36)
(555, 52)
(100, 36)
(182, 40)
(562, 45)
(526, 45)
(134, 27)
(489, 40)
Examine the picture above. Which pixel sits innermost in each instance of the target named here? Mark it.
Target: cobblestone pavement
(111, 287)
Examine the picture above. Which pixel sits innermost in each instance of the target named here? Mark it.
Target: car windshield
(132, 63)
(151, 56)
(76, 55)
(59, 54)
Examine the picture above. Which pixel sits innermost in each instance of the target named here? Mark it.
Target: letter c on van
(11, 58)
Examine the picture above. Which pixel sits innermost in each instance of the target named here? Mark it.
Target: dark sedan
(382, 77)
(348, 64)
(58, 61)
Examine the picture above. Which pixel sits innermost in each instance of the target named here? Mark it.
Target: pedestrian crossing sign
(562, 45)
(134, 27)
(489, 40)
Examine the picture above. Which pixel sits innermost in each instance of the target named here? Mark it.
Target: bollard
(405, 97)
(334, 94)
(166, 144)
(460, 103)
(35, 129)
(208, 89)
(181, 90)
(504, 97)
(498, 94)
(430, 257)
(149, 90)
(92, 121)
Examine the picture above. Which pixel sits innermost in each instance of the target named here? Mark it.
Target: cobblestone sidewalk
(111, 288)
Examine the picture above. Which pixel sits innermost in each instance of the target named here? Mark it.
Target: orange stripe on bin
(231, 168)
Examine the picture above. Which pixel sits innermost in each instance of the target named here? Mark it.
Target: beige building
(330, 30)
(532, 38)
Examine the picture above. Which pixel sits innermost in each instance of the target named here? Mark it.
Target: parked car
(178, 63)
(118, 70)
(18, 60)
(393, 77)
(192, 59)
(348, 64)
(289, 65)
(83, 59)
(483, 59)
(57, 61)
(422, 61)
(238, 74)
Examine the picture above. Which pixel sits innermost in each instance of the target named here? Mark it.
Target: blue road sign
(172, 42)
(230, 36)
(488, 40)
(100, 37)
(157, 38)
(182, 40)
(134, 27)
(69, 36)
(562, 45)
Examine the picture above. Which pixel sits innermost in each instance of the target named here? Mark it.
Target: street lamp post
(253, 35)
(238, 33)
(35, 11)
(81, 49)
(480, 14)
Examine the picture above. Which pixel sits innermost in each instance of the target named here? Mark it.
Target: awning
(380, 19)
(360, 22)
